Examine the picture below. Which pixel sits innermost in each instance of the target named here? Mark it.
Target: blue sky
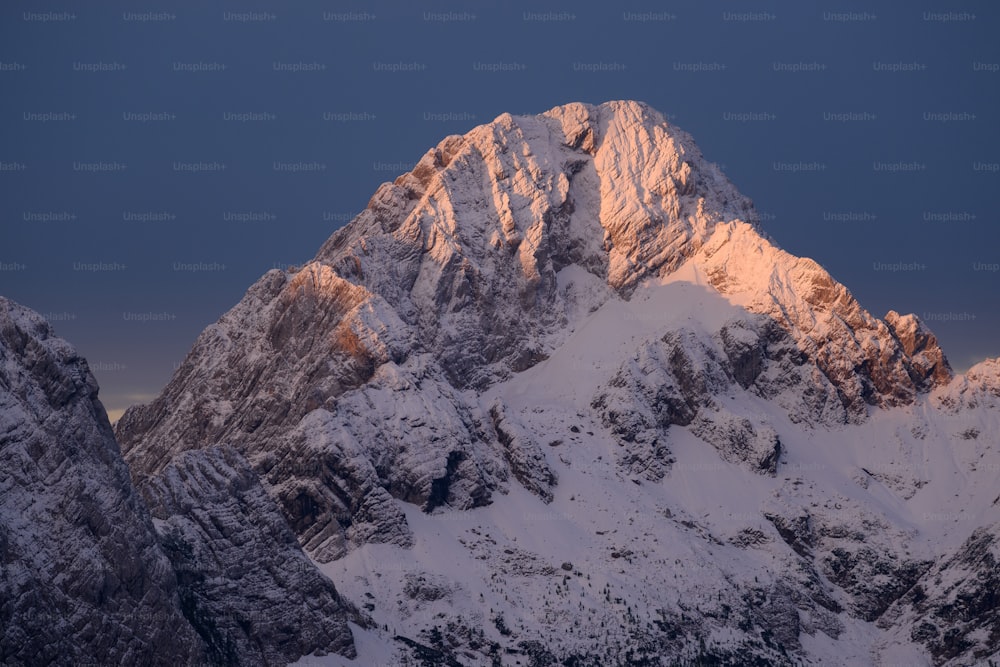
(156, 159)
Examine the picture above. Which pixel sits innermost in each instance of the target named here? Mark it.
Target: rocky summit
(552, 398)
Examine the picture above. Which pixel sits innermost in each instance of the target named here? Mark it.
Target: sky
(157, 158)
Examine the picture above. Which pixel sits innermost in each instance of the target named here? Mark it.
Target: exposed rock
(859, 354)
(797, 532)
(676, 382)
(425, 588)
(874, 578)
(954, 608)
(978, 387)
(83, 578)
(449, 279)
(245, 584)
(738, 441)
(524, 456)
(928, 366)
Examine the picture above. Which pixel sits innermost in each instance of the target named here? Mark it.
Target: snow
(373, 651)
(597, 510)
(601, 341)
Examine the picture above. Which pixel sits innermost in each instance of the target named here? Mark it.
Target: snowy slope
(554, 396)
(884, 500)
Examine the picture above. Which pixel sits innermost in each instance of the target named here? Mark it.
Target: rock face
(954, 609)
(213, 576)
(870, 362)
(978, 387)
(83, 579)
(523, 453)
(563, 339)
(244, 583)
(674, 381)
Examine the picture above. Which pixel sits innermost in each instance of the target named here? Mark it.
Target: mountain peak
(618, 188)
(495, 215)
(501, 241)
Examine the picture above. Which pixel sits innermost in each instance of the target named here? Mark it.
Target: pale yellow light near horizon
(113, 404)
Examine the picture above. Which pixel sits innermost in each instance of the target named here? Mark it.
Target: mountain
(90, 576)
(83, 578)
(554, 397)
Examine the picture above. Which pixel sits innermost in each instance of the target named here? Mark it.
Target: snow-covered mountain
(555, 398)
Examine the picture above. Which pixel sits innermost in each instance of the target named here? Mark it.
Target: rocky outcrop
(214, 575)
(870, 362)
(84, 579)
(927, 364)
(523, 454)
(738, 441)
(954, 609)
(676, 381)
(244, 583)
(872, 576)
(978, 387)
(330, 518)
(457, 260)
(319, 397)
(667, 383)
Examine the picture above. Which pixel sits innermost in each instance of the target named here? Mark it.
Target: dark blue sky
(867, 135)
